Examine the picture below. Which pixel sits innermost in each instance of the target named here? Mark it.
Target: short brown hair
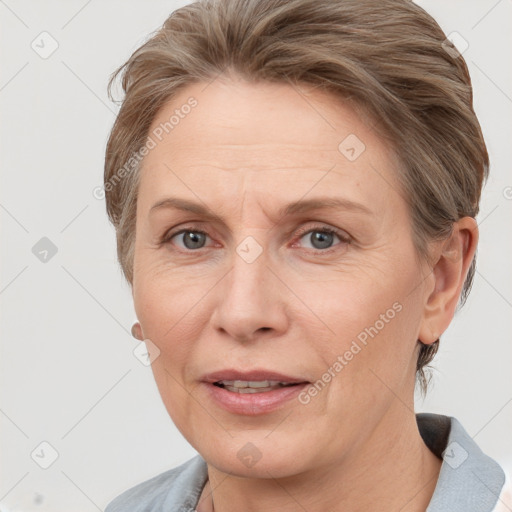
(388, 56)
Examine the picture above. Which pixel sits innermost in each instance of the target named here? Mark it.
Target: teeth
(252, 384)
(247, 390)
(243, 386)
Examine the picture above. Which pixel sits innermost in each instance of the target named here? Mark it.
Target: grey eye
(193, 239)
(320, 239)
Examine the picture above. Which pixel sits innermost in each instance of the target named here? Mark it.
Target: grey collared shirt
(469, 480)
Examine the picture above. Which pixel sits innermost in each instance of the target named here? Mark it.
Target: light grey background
(68, 374)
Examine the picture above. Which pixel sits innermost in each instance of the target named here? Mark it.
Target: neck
(393, 472)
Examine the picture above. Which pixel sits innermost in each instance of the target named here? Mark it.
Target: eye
(190, 239)
(322, 238)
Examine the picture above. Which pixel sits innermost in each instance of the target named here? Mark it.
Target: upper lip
(250, 375)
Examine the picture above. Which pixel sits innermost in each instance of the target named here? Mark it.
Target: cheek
(165, 308)
(164, 294)
(168, 313)
(174, 307)
(371, 327)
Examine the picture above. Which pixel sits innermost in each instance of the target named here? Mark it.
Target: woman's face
(248, 279)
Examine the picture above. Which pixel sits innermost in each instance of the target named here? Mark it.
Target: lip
(252, 404)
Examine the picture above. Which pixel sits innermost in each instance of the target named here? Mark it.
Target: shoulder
(177, 489)
(469, 480)
(505, 498)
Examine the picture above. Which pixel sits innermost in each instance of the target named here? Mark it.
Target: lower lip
(252, 404)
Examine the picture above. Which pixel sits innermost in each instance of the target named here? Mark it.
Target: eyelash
(343, 237)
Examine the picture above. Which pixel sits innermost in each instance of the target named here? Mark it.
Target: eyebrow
(301, 206)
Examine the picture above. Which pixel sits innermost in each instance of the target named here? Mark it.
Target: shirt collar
(469, 480)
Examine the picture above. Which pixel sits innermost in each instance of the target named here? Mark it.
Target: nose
(250, 301)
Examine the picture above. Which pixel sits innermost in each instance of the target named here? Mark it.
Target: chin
(256, 458)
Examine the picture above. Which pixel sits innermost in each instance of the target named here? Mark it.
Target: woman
(294, 187)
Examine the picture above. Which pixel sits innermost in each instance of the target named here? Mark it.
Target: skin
(245, 151)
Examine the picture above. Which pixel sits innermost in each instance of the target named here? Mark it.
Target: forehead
(240, 115)
(265, 135)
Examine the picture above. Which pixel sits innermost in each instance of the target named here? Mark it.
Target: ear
(452, 259)
(137, 331)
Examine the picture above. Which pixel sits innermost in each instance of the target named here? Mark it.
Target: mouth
(252, 392)
(251, 381)
(244, 386)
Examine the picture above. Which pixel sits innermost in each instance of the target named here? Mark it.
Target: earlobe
(137, 331)
(451, 264)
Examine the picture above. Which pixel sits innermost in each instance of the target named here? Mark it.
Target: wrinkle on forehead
(247, 150)
(257, 156)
